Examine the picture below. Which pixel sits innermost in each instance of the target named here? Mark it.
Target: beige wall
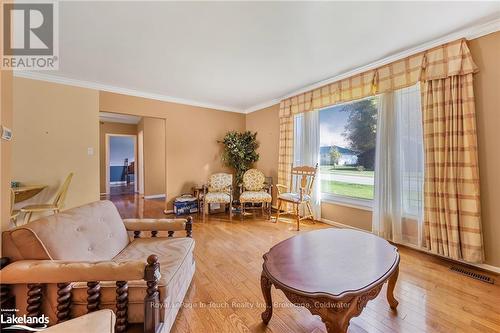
(357, 218)
(154, 155)
(266, 123)
(110, 128)
(54, 126)
(6, 101)
(192, 132)
(486, 54)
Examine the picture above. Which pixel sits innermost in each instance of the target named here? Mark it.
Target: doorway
(121, 164)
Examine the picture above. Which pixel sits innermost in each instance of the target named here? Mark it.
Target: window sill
(363, 204)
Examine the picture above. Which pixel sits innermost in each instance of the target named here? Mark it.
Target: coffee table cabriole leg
(390, 289)
(265, 285)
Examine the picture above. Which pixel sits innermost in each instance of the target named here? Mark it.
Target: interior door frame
(136, 179)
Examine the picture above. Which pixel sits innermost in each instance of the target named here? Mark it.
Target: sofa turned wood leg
(154, 233)
(121, 306)
(63, 301)
(170, 233)
(93, 296)
(189, 226)
(34, 308)
(152, 299)
(137, 234)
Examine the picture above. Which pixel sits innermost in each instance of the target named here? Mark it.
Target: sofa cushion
(92, 232)
(176, 265)
(102, 321)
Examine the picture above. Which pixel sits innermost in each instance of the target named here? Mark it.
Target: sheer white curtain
(399, 167)
(306, 151)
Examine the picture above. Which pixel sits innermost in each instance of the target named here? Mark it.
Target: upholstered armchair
(219, 190)
(254, 189)
(84, 259)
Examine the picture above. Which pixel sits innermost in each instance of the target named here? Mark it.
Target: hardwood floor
(225, 293)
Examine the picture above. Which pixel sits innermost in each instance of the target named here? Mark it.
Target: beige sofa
(71, 252)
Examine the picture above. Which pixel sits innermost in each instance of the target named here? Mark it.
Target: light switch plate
(6, 133)
(90, 151)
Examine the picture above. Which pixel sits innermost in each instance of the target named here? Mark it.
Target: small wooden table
(331, 272)
(25, 192)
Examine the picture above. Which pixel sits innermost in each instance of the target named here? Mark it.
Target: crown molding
(119, 90)
(261, 106)
(469, 33)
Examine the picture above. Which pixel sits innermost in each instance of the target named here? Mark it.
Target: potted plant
(240, 152)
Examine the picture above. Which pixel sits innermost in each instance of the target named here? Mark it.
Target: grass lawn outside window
(347, 181)
(347, 189)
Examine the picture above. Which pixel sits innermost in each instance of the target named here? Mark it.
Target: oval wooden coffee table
(331, 272)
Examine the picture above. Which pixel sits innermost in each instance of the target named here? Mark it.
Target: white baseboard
(154, 196)
(341, 225)
(486, 267)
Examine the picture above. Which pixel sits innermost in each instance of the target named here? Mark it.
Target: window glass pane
(347, 148)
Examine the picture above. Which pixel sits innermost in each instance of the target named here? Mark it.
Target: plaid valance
(447, 60)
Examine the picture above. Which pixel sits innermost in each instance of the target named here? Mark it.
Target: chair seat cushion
(255, 196)
(293, 197)
(217, 197)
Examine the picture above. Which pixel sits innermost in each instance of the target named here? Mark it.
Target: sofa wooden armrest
(155, 225)
(59, 271)
(36, 273)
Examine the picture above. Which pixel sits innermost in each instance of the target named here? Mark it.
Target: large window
(347, 150)
(371, 156)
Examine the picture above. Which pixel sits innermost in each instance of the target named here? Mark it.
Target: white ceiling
(235, 55)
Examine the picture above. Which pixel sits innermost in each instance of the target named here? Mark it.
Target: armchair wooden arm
(155, 225)
(36, 273)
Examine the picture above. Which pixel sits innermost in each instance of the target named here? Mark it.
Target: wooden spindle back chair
(298, 192)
